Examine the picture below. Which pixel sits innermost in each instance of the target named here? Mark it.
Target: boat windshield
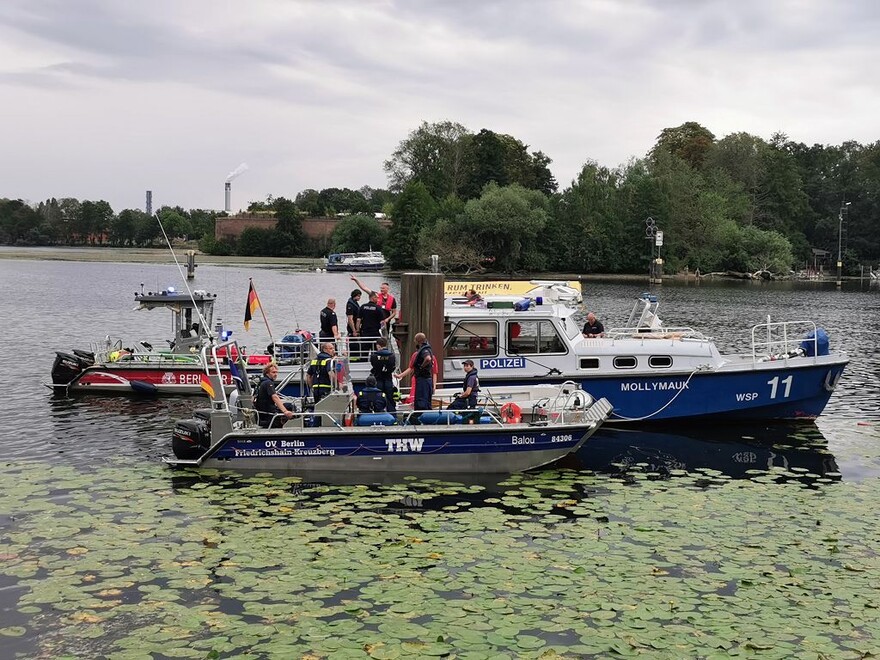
(571, 328)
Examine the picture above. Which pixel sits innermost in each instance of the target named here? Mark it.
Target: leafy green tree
(21, 224)
(289, 221)
(202, 222)
(124, 227)
(691, 142)
(256, 242)
(413, 210)
(309, 202)
(437, 155)
(358, 233)
(507, 223)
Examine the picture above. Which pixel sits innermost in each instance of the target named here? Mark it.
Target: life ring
(511, 413)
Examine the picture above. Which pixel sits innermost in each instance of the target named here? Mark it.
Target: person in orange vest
(385, 300)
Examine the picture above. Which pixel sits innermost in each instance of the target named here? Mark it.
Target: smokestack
(234, 173)
(149, 206)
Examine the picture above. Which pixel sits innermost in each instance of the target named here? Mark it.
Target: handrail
(781, 343)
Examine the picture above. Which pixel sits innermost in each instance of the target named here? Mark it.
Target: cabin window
(571, 328)
(625, 362)
(589, 363)
(473, 339)
(660, 361)
(533, 337)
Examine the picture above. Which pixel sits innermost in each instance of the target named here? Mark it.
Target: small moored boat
(356, 261)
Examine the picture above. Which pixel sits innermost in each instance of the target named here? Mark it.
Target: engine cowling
(190, 438)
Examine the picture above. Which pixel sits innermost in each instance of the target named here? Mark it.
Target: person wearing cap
(467, 398)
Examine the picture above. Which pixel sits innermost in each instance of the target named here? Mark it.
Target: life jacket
(471, 380)
(386, 301)
(371, 399)
(320, 371)
(424, 364)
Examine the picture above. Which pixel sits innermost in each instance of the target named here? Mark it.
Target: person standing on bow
(270, 407)
(329, 323)
(383, 363)
(321, 375)
(422, 365)
(467, 398)
(593, 327)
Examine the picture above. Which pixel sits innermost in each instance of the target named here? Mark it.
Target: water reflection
(735, 451)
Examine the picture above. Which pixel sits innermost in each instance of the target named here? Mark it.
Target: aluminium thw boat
(331, 437)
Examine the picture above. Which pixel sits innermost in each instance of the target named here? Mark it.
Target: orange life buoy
(511, 413)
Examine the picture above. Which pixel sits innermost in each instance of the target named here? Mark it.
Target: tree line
(484, 201)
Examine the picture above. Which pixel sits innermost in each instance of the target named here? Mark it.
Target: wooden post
(421, 310)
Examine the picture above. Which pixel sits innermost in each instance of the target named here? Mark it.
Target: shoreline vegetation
(106, 254)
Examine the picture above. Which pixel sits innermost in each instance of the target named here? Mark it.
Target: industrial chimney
(228, 187)
(149, 206)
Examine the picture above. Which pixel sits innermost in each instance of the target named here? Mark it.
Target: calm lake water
(105, 553)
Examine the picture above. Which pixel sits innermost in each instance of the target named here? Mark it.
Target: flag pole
(262, 311)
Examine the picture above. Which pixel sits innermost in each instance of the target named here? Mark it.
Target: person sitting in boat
(593, 327)
(467, 398)
(474, 299)
(371, 399)
(270, 407)
(320, 373)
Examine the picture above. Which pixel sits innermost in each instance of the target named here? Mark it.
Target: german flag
(253, 304)
(206, 385)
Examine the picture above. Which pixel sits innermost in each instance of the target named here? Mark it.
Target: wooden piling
(421, 310)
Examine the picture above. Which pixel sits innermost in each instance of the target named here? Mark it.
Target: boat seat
(376, 419)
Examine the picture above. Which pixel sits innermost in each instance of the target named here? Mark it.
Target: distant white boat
(356, 261)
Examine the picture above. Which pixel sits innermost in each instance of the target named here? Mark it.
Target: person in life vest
(371, 399)
(422, 366)
(268, 402)
(467, 398)
(383, 363)
(320, 374)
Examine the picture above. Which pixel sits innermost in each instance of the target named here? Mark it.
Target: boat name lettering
(560, 438)
(503, 363)
(284, 443)
(747, 396)
(404, 444)
(653, 387)
(250, 453)
(521, 440)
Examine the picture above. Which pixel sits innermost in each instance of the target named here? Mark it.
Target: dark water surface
(104, 552)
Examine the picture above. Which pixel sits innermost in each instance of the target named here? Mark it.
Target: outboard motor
(68, 366)
(192, 437)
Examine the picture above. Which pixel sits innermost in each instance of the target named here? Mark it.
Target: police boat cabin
(647, 370)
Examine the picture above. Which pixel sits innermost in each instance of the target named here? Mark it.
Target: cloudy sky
(104, 99)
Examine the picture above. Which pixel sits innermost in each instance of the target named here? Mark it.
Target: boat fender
(142, 387)
(511, 413)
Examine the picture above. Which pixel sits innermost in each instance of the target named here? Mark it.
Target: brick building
(231, 227)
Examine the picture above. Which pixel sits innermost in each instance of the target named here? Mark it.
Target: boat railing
(782, 340)
(111, 350)
(670, 332)
(355, 348)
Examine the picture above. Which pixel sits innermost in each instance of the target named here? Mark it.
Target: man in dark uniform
(593, 327)
(268, 402)
(329, 324)
(467, 398)
(320, 373)
(352, 312)
(371, 399)
(423, 369)
(383, 364)
(372, 318)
